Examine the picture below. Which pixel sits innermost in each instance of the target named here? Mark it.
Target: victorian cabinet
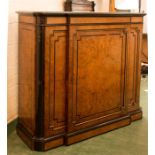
(79, 75)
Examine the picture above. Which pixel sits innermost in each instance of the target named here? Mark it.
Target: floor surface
(129, 140)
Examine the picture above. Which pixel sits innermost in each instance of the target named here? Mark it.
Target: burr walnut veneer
(79, 75)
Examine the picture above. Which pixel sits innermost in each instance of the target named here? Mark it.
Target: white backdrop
(127, 4)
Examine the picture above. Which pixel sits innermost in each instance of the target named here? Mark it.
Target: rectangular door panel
(133, 68)
(55, 76)
(97, 73)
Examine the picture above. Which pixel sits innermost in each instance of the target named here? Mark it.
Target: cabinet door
(134, 68)
(97, 56)
(55, 76)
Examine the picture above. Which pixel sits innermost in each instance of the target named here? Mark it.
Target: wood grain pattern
(93, 49)
(54, 143)
(27, 76)
(97, 131)
(132, 65)
(78, 77)
(56, 20)
(133, 77)
(55, 77)
(136, 19)
(27, 19)
(79, 20)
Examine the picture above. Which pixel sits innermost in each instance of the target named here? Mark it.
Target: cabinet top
(86, 14)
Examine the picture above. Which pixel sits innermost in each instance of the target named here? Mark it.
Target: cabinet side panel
(27, 76)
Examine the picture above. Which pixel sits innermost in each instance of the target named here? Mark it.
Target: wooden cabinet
(79, 75)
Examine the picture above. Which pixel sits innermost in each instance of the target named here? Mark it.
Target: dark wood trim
(39, 144)
(136, 115)
(88, 134)
(40, 77)
(81, 24)
(35, 138)
(67, 75)
(125, 120)
(87, 24)
(36, 143)
(98, 126)
(81, 14)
